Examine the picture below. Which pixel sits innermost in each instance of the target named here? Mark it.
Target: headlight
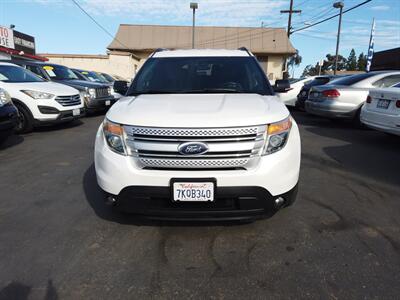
(277, 135)
(38, 95)
(110, 90)
(92, 93)
(4, 97)
(84, 96)
(114, 135)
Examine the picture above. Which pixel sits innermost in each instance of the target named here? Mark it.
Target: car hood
(46, 87)
(198, 110)
(82, 84)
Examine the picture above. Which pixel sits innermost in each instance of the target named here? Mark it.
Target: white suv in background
(38, 101)
(200, 135)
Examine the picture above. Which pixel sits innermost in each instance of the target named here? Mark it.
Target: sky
(60, 27)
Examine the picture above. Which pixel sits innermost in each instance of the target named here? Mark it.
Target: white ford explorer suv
(39, 102)
(200, 135)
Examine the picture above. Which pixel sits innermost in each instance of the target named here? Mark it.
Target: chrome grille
(228, 147)
(69, 100)
(102, 92)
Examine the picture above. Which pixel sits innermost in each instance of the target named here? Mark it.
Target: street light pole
(193, 6)
(339, 5)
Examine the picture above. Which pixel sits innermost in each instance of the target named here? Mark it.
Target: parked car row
(37, 93)
(371, 99)
(382, 110)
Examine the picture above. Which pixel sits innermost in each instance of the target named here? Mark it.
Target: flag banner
(371, 47)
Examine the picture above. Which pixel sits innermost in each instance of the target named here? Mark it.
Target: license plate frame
(108, 102)
(76, 112)
(383, 104)
(174, 182)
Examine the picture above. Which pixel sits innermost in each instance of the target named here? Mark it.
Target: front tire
(25, 120)
(357, 120)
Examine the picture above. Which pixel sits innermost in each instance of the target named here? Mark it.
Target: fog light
(110, 200)
(279, 201)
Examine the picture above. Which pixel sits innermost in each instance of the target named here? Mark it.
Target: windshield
(93, 76)
(200, 75)
(294, 80)
(17, 74)
(353, 79)
(60, 73)
(319, 81)
(107, 77)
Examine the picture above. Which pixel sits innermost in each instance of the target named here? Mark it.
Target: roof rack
(245, 49)
(158, 50)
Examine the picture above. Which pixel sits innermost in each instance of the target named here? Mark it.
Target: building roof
(201, 52)
(150, 37)
(386, 60)
(101, 56)
(21, 54)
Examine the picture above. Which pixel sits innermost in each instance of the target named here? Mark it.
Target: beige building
(134, 43)
(123, 64)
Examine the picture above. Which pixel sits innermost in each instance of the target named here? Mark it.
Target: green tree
(310, 70)
(351, 64)
(362, 62)
(329, 63)
(294, 61)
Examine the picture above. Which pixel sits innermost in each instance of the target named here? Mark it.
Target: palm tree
(294, 60)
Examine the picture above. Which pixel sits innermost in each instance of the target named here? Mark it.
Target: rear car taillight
(398, 103)
(369, 99)
(331, 93)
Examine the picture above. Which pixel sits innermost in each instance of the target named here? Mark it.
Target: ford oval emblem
(192, 148)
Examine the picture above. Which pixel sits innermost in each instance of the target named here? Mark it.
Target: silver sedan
(344, 97)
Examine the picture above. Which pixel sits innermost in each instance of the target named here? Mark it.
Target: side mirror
(121, 86)
(282, 86)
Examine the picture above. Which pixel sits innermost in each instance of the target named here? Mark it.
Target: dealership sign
(6, 37)
(24, 42)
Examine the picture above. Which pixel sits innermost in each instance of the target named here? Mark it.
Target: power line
(301, 3)
(244, 34)
(98, 24)
(317, 16)
(331, 17)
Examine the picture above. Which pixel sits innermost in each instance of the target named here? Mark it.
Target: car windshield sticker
(49, 70)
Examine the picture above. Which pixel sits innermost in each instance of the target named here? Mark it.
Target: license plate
(315, 94)
(76, 112)
(383, 104)
(193, 191)
(108, 103)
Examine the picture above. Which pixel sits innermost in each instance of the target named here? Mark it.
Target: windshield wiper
(198, 91)
(212, 90)
(135, 93)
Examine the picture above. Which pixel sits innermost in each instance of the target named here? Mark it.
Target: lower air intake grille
(198, 164)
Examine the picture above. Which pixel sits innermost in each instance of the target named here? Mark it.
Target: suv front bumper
(61, 117)
(275, 175)
(231, 203)
(8, 117)
(100, 104)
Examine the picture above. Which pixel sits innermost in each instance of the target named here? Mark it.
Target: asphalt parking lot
(341, 239)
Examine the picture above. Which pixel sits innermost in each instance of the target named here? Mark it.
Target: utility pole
(290, 12)
(289, 29)
(194, 6)
(339, 5)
